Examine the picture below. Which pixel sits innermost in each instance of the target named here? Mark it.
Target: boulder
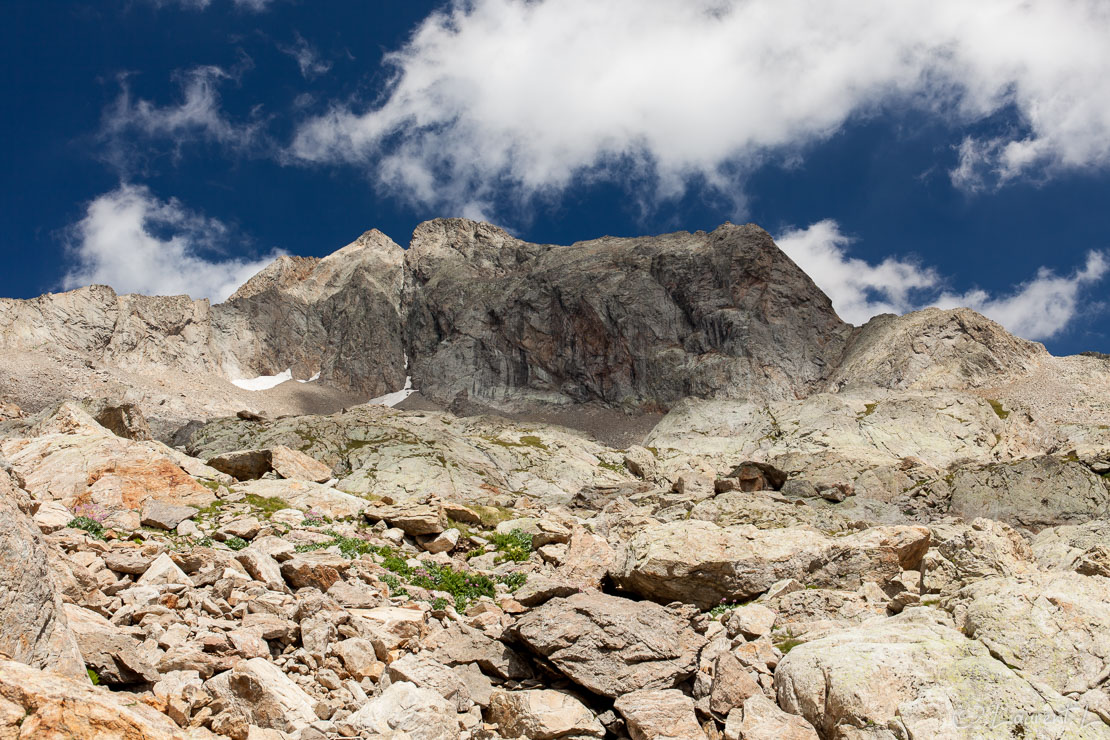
(761, 719)
(426, 673)
(33, 625)
(414, 518)
(52, 705)
(1078, 547)
(752, 476)
(404, 708)
(1035, 493)
(100, 469)
(51, 516)
(295, 465)
(164, 515)
(665, 714)
(700, 563)
(115, 657)
(541, 714)
(258, 692)
(124, 420)
(460, 644)
(611, 645)
(962, 553)
(1054, 627)
(913, 675)
(306, 495)
(163, 571)
(242, 464)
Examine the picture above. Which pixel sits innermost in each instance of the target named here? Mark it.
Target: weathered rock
(51, 516)
(750, 621)
(963, 553)
(404, 708)
(258, 692)
(1054, 628)
(761, 719)
(460, 644)
(164, 515)
(752, 476)
(918, 677)
(703, 564)
(262, 567)
(242, 464)
(304, 571)
(1077, 547)
(610, 645)
(295, 465)
(665, 714)
(245, 527)
(114, 656)
(1035, 493)
(538, 589)
(33, 627)
(732, 684)
(307, 496)
(124, 420)
(55, 706)
(542, 714)
(413, 518)
(426, 673)
(443, 542)
(164, 571)
(97, 468)
(359, 657)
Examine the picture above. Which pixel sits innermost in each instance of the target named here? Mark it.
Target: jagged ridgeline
(645, 489)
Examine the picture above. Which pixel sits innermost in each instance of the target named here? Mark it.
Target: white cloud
(1037, 309)
(307, 58)
(198, 115)
(252, 5)
(136, 243)
(530, 93)
(858, 290)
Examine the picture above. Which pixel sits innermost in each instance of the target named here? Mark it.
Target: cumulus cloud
(136, 243)
(1037, 309)
(197, 116)
(311, 64)
(525, 95)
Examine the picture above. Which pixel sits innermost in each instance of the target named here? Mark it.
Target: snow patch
(266, 382)
(392, 399)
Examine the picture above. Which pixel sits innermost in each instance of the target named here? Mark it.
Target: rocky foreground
(896, 531)
(783, 571)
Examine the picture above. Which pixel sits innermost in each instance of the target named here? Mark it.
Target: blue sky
(925, 153)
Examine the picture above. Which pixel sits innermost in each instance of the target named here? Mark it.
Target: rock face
(640, 322)
(33, 626)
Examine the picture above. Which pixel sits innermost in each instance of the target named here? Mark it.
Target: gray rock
(542, 714)
(611, 645)
(642, 322)
(164, 515)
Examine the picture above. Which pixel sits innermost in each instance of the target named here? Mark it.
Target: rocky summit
(642, 488)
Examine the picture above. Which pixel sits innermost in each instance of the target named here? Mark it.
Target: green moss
(266, 505)
(615, 467)
(93, 676)
(209, 484)
(211, 510)
(868, 409)
(1000, 412)
(528, 440)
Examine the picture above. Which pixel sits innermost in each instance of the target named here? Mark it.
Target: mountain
(776, 525)
(482, 321)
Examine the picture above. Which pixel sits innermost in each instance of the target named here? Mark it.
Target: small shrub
(513, 546)
(513, 580)
(91, 526)
(236, 543)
